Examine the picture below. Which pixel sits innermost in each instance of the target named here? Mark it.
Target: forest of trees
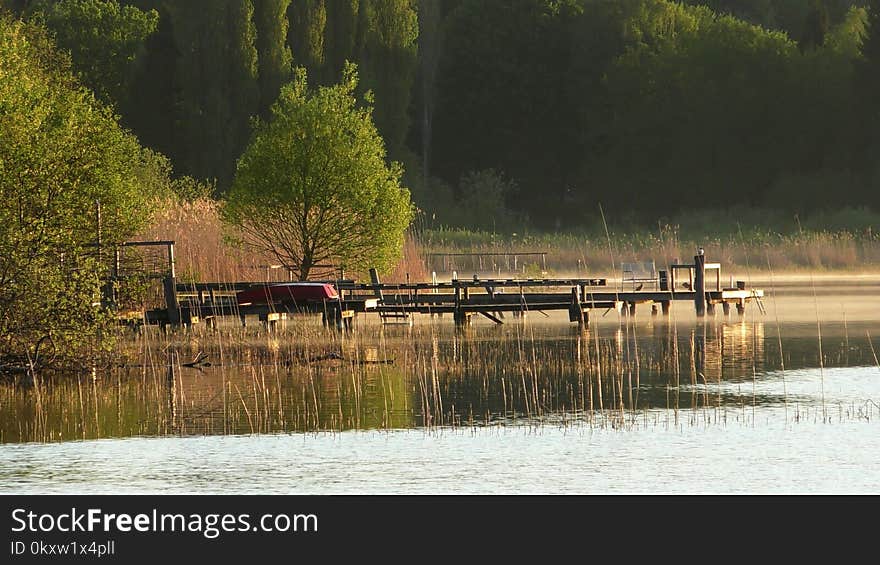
(516, 112)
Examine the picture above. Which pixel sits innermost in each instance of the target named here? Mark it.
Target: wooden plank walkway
(190, 303)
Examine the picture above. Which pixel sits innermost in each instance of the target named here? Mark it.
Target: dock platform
(191, 303)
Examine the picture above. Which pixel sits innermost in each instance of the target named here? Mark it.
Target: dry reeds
(307, 378)
(204, 255)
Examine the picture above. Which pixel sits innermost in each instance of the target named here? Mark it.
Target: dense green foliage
(645, 106)
(217, 82)
(105, 40)
(649, 106)
(313, 188)
(273, 53)
(61, 154)
(379, 35)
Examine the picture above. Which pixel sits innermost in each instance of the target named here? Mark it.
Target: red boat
(288, 293)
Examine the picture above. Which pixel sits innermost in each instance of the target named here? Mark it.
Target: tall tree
(870, 51)
(15, 6)
(153, 98)
(217, 84)
(815, 27)
(340, 38)
(429, 44)
(273, 54)
(500, 97)
(389, 29)
(868, 92)
(308, 21)
(313, 185)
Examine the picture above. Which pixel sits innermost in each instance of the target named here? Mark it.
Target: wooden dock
(208, 301)
(191, 303)
(488, 297)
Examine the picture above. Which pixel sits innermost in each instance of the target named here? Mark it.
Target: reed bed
(306, 378)
(203, 253)
(588, 254)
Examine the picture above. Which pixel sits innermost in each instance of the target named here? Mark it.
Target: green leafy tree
(15, 6)
(742, 106)
(153, 100)
(105, 41)
(313, 186)
(61, 152)
(790, 16)
(429, 46)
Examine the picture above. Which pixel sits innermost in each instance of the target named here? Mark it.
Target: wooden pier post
(700, 284)
(460, 317)
(108, 290)
(374, 280)
(172, 305)
(576, 311)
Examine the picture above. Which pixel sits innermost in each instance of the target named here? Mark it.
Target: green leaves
(105, 40)
(60, 153)
(313, 188)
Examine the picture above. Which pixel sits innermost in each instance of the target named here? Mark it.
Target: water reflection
(433, 375)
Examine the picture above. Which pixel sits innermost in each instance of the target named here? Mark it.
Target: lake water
(532, 406)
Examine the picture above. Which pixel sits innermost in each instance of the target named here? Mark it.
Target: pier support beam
(579, 315)
(171, 302)
(576, 310)
(700, 284)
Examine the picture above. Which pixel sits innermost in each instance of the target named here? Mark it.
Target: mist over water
(532, 406)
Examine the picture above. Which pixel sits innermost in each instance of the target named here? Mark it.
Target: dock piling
(700, 284)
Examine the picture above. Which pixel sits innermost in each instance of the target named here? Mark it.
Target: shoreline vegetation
(818, 246)
(423, 132)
